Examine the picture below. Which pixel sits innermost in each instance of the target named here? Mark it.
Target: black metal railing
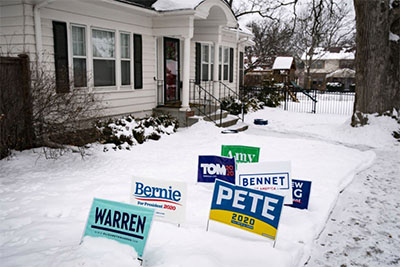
(308, 101)
(225, 91)
(203, 100)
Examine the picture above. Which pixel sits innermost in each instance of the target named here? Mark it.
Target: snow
(342, 73)
(393, 37)
(45, 203)
(169, 5)
(321, 53)
(282, 63)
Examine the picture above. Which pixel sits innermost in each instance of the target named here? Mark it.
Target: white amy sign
(168, 198)
(272, 177)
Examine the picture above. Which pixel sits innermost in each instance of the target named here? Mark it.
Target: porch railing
(203, 100)
(225, 91)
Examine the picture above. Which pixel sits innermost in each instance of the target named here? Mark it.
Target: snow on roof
(321, 53)
(169, 5)
(282, 63)
(342, 73)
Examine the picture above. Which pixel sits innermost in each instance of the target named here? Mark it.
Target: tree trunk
(377, 64)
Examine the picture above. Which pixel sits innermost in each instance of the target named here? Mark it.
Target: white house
(134, 54)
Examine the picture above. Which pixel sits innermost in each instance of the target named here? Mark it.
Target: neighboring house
(257, 72)
(134, 54)
(284, 69)
(326, 61)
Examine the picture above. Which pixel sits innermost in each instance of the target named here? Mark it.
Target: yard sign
(273, 177)
(121, 222)
(168, 198)
(301, 194)
(242, 154)
(214, 167)
(245, 208)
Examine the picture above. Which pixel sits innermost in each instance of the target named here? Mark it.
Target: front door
(171, 70)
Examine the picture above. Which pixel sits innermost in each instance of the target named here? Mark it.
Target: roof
(169, 5)
(321, 53)
(139, 3)
(282, 63)
(342, 73)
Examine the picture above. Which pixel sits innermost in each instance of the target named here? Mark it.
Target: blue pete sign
(301, 193)
(245, 208)
(127, 224)
(215, 167)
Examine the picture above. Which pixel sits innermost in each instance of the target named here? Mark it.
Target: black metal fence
(309, 101)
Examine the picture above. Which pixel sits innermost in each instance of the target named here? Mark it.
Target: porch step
(239, 126)
(215, 115)
(228, 121)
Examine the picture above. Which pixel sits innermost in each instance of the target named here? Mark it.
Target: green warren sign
(242, 154)
(125, 223)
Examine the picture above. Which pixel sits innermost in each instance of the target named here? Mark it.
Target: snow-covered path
(363, 229)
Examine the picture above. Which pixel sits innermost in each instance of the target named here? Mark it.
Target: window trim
(130, 59)
(86, 57)
(109, 87)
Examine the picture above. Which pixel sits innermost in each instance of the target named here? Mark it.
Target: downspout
(38, 30)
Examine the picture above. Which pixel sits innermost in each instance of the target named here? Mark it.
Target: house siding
(17, 34)
(116, 100)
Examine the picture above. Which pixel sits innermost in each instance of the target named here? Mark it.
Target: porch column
(186, 75)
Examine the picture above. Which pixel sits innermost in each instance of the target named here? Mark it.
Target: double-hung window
(103, 57)
(220, 64)
(125, 59)
(79, 55)
(205, 62)
(226, 63)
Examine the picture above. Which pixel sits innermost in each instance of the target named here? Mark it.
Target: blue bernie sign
(124, 223)
(301, 194)
(215, 167)
(245, 208)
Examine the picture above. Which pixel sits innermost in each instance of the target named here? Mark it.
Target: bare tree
(321, 23)
(271, 39)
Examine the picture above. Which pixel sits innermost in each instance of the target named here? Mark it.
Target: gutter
(38, 29)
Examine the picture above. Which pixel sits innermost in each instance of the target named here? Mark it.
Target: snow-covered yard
(45, 203)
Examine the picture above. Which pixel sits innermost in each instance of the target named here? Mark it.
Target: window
(138, 61)
(79, 55)
(212, 62)
(226, 63)
(103, 57)
(125, 59)
(61, 56)
(318, 64)
(205, 62)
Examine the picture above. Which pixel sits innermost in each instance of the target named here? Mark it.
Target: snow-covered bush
(128, 131)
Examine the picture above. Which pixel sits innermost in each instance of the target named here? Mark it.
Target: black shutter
(138, 61)
(231, 65)
(61, 56)
(198, 63)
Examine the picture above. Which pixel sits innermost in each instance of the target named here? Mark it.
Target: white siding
(116, 101)
(16, 29)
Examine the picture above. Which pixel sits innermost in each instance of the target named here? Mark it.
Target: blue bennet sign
(245, 208)
(215, 167)
(121, 222)
(301, 193)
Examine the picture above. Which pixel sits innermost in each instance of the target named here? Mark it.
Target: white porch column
(186, 75)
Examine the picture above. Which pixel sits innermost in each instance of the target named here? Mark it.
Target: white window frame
(115, 86)
(130, 59)
(225, 48)
(209, 63)
(71, 25)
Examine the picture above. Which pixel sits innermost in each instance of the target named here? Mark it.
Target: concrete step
(228, 121)
(239, 127)
(215, 115)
